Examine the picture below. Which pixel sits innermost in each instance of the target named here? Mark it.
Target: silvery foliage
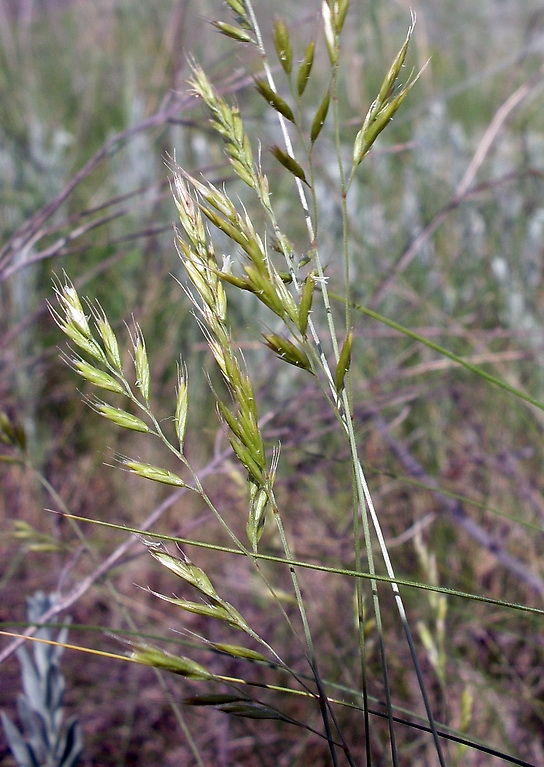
(44, 740)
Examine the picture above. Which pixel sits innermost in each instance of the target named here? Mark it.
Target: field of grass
(439, 248)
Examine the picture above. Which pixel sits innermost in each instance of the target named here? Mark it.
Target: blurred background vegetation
(447, 233)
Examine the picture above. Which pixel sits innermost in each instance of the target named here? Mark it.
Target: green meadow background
(446, 238)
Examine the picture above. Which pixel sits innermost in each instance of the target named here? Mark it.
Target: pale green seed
(257, 518)
(238, 652)
(198, 608)
(109, 340)
(274, 99)
(320, 117)
(141, 363)
(120, 417)
(88, 345)
(396, 66)
(344, 362)
(238, 7)
(305, 68)
(235, 33)
(177, 664)
(184, 569)
(182, 406)
(341, 9)
(155, 473)
(305, 305)
(74, 310)
(286, 350)
(289, 163)
(249, 461)
(242, 172)
(330, 37)
(282, 45)
(235, 619)
(97, 377)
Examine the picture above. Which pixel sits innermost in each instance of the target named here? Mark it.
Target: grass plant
(331, 611)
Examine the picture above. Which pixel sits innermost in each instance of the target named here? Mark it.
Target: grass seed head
(274, 99)
(239, 8)
(286, 350)
(141, 364)
(108, 338)
(197, 608)
(154, 473)
(196, 272)
(73, 322)
(221, 610)
(177, 664)
(249, 460)
(119, 417)
(289, 163)
(238, 652)
(386, 104)
(88, 345)
(215, 197)
(305, 306)
(70, 303)
(282, 45)
(394, 70)
(228, 123)
(184, 568)
(189, 214)
(96, 376)
(340, 11)
(245, 429)
(235, 33)
(328, 29)
(344, 362)
(182, 405)
(320, 117)
(305, 68)
(257, 517)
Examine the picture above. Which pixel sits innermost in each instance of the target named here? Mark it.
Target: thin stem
(356, 483)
